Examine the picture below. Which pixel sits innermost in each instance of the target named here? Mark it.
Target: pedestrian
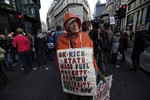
(3, 75)
(31, 40)
(128, 36)
(100, 41)
(22, 44)
(40, 48)
(106, 35)
(57, 33)
(9, 52)
(50, 44)
(73, 40)
(115, 45)
(131, 32)
(138, 46)
(86, 27)
(123, 46)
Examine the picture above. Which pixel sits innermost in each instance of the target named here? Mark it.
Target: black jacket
(40, 42)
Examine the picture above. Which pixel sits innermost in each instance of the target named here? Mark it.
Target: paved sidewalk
(144, 59)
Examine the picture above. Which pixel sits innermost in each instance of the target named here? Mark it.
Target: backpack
(147, 39)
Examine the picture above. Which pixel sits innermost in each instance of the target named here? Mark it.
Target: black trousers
(114, 58)
(3, 75)
(136, 58)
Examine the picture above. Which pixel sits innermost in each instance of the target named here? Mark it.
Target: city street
(44, 83)
(41, 84)
(128, 85)
(29, 28)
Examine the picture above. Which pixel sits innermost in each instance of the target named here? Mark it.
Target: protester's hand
(103, 78)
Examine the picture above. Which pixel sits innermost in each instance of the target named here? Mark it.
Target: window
(130, 20)
(7, 1)
(147, 24)
(132, 5)
(138, 13)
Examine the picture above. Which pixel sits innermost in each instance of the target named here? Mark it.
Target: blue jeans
(8, 61)
(25, 58)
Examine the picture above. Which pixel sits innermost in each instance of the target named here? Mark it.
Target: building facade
(137, 12)
(99, 8)
(59, 8)
(19, 13)
(43, 27)
(109, 9)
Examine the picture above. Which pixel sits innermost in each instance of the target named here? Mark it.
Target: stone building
(59, 8)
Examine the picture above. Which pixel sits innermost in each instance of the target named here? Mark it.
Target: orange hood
(69, 16)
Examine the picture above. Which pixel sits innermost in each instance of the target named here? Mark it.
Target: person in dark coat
(123, 46)
(138, 46)
(3, 75)
(40, 47)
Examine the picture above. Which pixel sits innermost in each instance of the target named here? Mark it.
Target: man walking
(40, 47)
(22, 44)
(138, 47)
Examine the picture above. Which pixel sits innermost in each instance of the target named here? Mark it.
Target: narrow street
(41, 84)
(45, 84)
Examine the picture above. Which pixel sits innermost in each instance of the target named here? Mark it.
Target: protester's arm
(97, 69)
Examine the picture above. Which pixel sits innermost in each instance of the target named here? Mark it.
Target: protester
(22, 44)
(138, 46)
(74, 39)
(40, 47)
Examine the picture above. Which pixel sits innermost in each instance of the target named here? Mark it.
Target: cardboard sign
(77, 71)
(103, 89)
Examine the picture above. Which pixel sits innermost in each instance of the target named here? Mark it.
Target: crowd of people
(106, 45)
(23, 48)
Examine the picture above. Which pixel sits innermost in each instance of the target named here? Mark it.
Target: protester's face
(74, 28)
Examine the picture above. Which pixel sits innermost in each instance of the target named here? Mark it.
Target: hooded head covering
(69, 17)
